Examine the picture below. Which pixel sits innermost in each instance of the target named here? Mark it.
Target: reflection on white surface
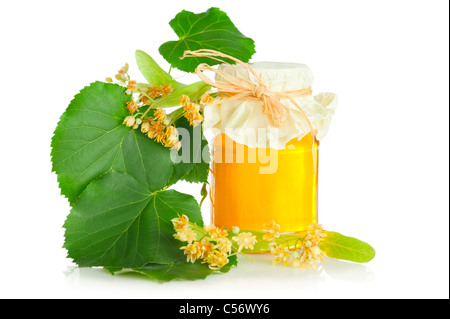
(347, 271)
(258, 279)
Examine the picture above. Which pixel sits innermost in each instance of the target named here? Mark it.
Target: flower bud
(145, 127)
(235, 230)
(129, 121)
(123, 77)
(125, 68)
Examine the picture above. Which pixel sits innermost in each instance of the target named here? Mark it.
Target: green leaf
(118, 222)
(200, 171)
(178, 270)
(232, 261)
(212, 29)
(347, 248)
(153, 72)
(194, 154)
(90, 140)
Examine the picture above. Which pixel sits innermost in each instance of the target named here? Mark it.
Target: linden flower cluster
(214, 247)
(306, 254)
(158, 125)
(192, 110)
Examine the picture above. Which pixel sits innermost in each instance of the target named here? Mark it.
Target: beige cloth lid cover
(243, 120)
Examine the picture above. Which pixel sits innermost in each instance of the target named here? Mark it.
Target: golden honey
(249, 190)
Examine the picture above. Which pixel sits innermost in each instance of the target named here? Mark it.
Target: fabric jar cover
(243, 120)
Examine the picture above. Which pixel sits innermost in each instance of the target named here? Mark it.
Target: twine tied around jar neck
(239, 88)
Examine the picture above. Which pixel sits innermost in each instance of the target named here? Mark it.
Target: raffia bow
(239, 88)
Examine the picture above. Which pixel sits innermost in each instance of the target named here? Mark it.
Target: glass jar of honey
(261, 173)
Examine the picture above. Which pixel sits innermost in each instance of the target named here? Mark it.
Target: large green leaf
(194, 154)
(178, 270)
(213, 30)
(91, 140)
(200, 170)
(152, 72)
(119, 222)
(342, 247)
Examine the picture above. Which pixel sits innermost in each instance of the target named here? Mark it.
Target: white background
(383, 166)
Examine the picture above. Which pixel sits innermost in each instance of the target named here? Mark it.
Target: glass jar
(243, 196)
(262, 172)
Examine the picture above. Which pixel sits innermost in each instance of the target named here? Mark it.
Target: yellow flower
(208, 228)
(122, 73)
(207, 99)
(281, 254)
(190, 107)
(305, 260)
(132, 106)
(132, 85)
(124, 69)
(315, 234)
(180, 222)
(159, 115)
(223, 245)
(271, 231)
(171, 138)
(184, 99)
(216, 259)
(129, 121)
(192, 113)
(245, 240)
(166, 89)
(155, 91)
(198, 250)
(205, 247)
(156, 131)
(143, 98)
(309, 253)
(216, 232)
(192, 251)
(185, 234)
